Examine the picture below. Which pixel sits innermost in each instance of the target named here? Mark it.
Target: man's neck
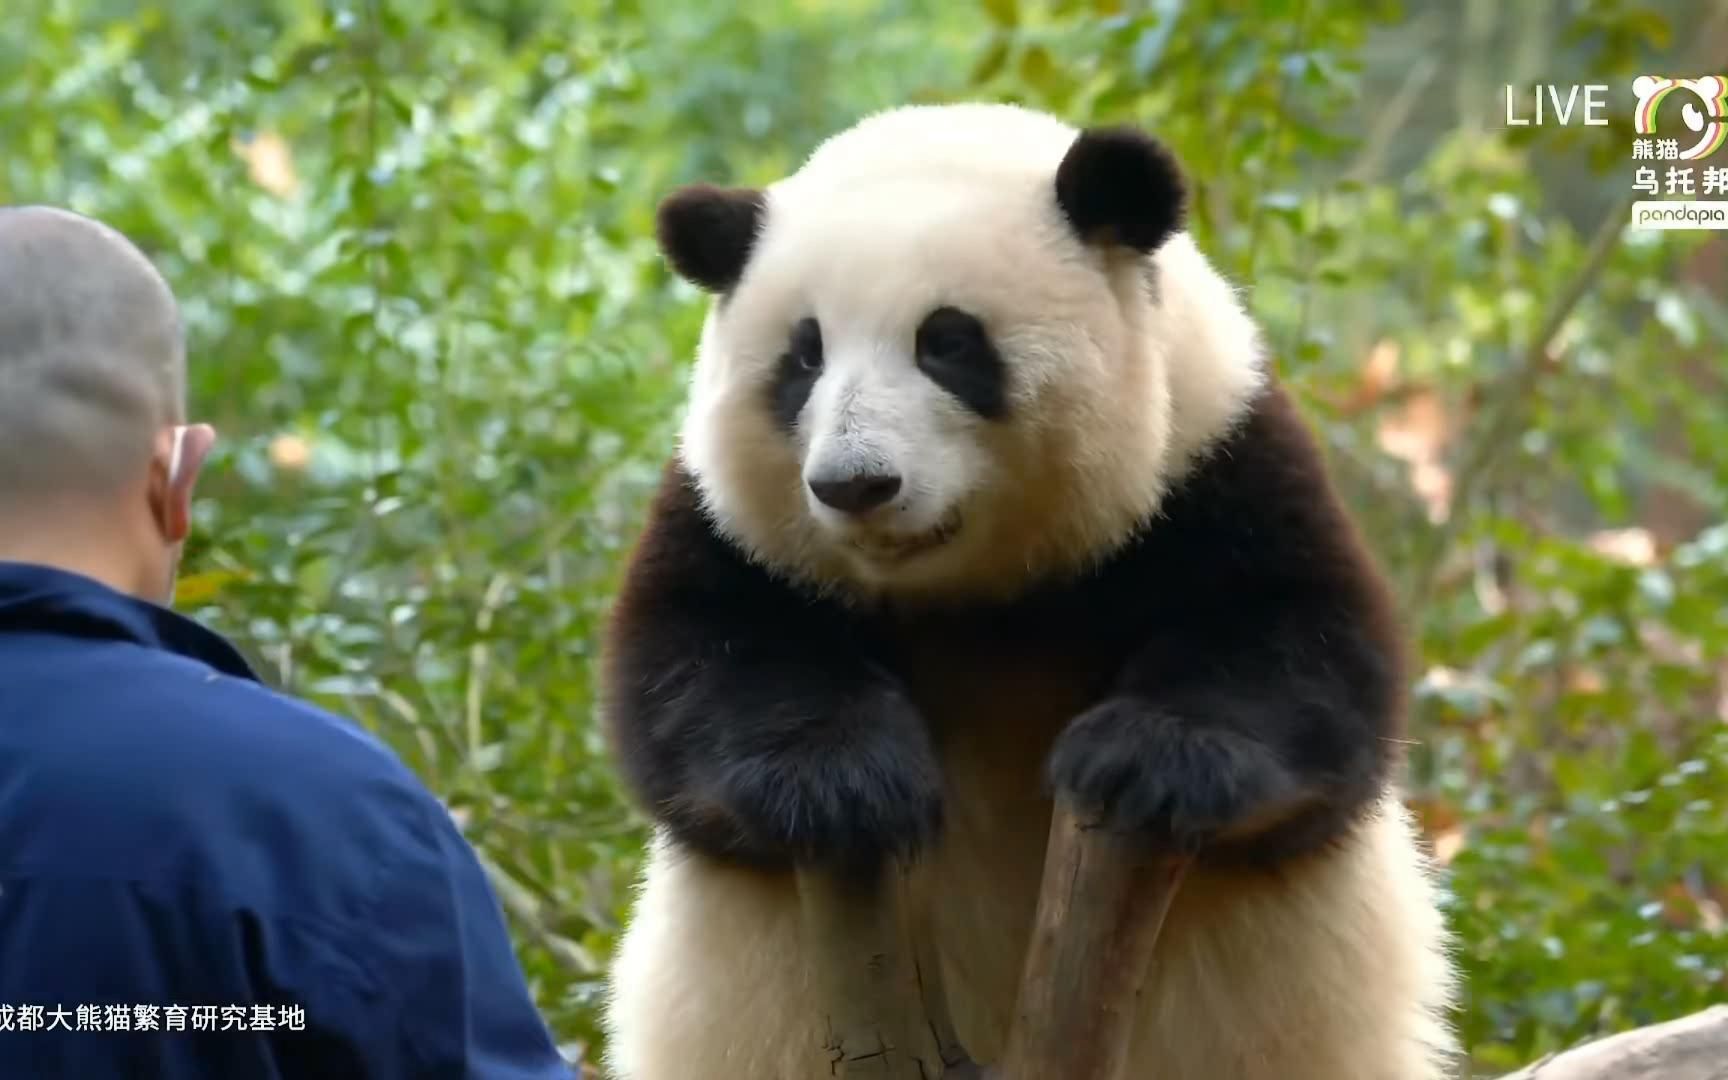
(77, 555)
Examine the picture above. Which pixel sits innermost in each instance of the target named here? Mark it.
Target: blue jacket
(201, 878)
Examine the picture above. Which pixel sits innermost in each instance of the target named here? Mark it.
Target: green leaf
(1039, 71)
(991, 62)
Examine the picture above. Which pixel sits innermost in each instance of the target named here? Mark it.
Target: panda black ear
(707, 233)
(1120, 186)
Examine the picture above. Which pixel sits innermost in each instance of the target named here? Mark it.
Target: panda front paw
(1174, 783)
(852, 789)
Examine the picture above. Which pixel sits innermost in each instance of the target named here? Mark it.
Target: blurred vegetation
(414, 242)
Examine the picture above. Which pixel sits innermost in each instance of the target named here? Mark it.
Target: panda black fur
(986, 492)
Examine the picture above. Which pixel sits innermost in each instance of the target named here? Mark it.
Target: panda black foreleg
(772, 745)
(1152, 772)
(780, 765)
(775, 744)
(750, 720)
(1250, 737)
(1255, 742)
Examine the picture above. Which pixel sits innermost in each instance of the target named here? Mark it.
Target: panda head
(963, 348)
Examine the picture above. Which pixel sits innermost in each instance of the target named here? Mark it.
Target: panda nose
(857, 493)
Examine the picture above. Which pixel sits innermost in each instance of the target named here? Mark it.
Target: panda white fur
(985, 492)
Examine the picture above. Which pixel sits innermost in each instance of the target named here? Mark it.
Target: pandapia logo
(1710, 123)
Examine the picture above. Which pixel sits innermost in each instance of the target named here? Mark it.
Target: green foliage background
(414, 242)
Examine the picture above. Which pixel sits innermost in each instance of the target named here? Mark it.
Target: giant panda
(986, 491)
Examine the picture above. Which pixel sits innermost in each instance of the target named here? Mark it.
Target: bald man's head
(92, 358)
(97, 462)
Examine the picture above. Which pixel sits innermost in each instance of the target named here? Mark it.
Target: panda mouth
(901, 548)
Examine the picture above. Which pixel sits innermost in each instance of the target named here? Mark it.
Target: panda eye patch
(956, 353)
(795, 376)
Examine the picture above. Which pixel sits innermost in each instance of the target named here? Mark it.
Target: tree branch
(1511, 399)
(1101, 907)
(862, 953)
(1691, 1048)
(933, 991)
(1100, 911)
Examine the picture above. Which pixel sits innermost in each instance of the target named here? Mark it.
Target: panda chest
(996, 699)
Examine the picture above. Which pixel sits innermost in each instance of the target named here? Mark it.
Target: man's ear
(179, 459)
(1119, 186)
(707, 233)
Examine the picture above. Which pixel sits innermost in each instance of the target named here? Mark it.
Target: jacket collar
(47, 600)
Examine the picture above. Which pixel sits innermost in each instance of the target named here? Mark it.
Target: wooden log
(938, 1017)
(1101, 908)
(861, 948)
(1690, 1048)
